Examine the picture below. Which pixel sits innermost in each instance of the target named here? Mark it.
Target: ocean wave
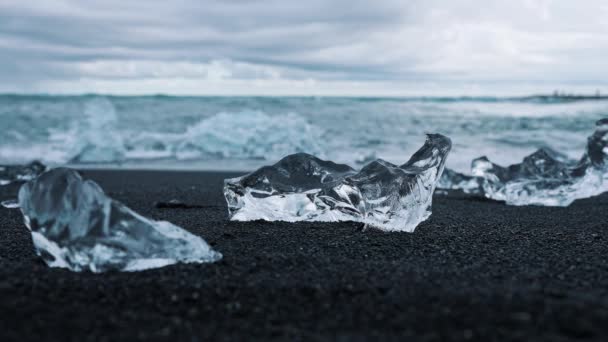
(237, 131)
(231, 135)
(98, 137)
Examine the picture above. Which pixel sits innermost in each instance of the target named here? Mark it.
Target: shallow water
(241, 133)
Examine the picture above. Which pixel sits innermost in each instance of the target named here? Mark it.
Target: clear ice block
(543, 178)
(76, 226)
(301, 187)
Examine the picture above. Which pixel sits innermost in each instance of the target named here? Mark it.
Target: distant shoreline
(569, 97)
(545, 98)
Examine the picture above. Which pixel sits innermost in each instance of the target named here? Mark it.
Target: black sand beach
(476, 270)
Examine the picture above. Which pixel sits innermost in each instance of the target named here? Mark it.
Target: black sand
(475, 270)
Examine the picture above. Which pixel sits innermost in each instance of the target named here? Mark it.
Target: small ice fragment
(176, 204)
(10, 204)
(75, 225)
(452, 180)
(545, 177)
(301, 187)
(14, 173)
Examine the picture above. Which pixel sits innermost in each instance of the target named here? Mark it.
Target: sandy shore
(476, 270)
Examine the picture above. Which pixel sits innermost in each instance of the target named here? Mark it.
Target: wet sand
(476, 270)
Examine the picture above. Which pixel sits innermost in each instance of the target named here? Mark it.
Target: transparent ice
(10, 204)
(452, 180)
(301, 187)
(543, 178)
(75, 225)
(15, 173)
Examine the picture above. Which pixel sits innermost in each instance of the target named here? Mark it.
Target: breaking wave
(100, 137)
(238, 135)
(243, 131)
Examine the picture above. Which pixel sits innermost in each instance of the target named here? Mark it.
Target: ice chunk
(301, 187)
(452, 180)
(15, 173)
(596, 154)
(176, 204)
(543, 178)
(76, 226)
(10, 204)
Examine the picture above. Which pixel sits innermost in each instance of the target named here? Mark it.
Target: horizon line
(555, 95)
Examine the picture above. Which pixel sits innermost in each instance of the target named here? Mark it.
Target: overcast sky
(311, 47)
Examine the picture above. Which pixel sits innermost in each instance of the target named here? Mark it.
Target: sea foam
(243, 133)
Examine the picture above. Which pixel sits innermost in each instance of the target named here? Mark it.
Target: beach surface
(476, 270)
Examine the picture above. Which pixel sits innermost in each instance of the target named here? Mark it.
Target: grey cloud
(315, 39)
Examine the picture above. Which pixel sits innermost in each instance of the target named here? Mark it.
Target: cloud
(70, 45)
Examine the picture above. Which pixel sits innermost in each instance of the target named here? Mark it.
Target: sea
(243, 133)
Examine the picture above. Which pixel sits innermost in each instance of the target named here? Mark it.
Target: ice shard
(301, 187)
(76, 226)
(10, 204)
(15, 173)
(452, 180)
(545, 177)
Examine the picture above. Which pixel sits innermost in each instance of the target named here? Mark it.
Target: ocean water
(242, 133)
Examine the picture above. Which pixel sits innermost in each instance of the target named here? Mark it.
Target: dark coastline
(476, 270)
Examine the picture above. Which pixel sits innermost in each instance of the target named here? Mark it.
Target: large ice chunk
(301, 187)
(15, 173)
(545, 177)
(76, 226)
